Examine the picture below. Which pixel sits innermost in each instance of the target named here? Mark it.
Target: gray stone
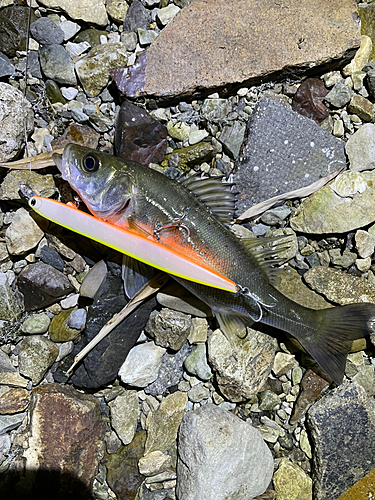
(14, 22)
(198, 393)
(23, 234)
(36, 323)
(360, 148)
(100, 122)
(365, 243)
(301, 150)
(338, 287)
(344, 259)
(76, 49)
(90, 11)
(170, 329)
(339, 96)
(129, 39)
(46, 32)
(93, 69)
(6, 67)
(179, 299)
(221, 457)
(154, 463)
(9, 308)
(124, 415)
(283, 363)
(268, 400)
(137, 16)
(215, 109)
(344, 419)
(36, 355)
(76, 108)
(142, 365)
(77, 319)
(241, 365)
(10, 422)
(57, 64)
(232, 137)
(342, 205)
(166, 14)
(275, 216)
(44, 185)
(69, 29)
(17, 121)
(196, 363)
(146, 37)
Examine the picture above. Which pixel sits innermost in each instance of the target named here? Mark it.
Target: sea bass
(192, 215)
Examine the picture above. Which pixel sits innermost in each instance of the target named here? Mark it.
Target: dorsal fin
(268, 257)
(217, 196)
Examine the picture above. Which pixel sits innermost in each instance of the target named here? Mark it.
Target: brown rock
(208, 46)
(14, 401)
(79, 134)
(66, 439)
(308, 100)
(361, 107)
(312, 386)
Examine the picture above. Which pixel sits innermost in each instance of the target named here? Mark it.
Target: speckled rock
(44, 185)
(23, 234)
(9, 307)
(360, 148)
(36, 355)
(124, 415)
(93, 69)
(291, 482)
(14, 401)
(170, 329)
(36, 323)
(57, 64)
(342, 205)
(339, 287)
(90, 11)
(16, 114)
(342, 419)
(241, 366)
(221, 457)
(117, 9)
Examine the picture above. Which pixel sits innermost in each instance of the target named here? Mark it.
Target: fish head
(101, 180)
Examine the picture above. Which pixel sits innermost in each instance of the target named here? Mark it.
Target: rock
(129, 39)
(241, 366)
(36, 355)
(198, 333)
(102, 364)
(178, 131)
(6, 67)
(360, 148)
(46, 32)
(59, 330)
(342, 205)
(53, 92)
(92, 11)
(100, 122)
(165, 15)
(362, 107)
(92, 70)
(36, 324)
(123, 476)
(342, 419)
(8, 423)
(137, 16)
(154, 463)
(344, 259)
(9, 307)
(146, 37)
(191, 155)
(69, 28)
(17, 120)
(117, 9)
(139, 137)
(215, 109)
(76, 49)
(14, 401)
(308, 100)
(93, 280)
(360, 372)
(339, 96)
(163, 71)
(142, 365)
(171, 371)
(52, 258)
(79, 134)
(232, 137)
(23, 234)
(196, 363)
(312, 386)
(302, 150)
(283, 363)
(291, 482)
(220, 456)
(61, 444)
(42, 285)
(57, 64)
(77, 319)
(365, 243)
(339, 287)
(196, 135)
(14, 28)
(268, 400)
(170, 329)
(124, 415)
(360, 59)
(164, 424)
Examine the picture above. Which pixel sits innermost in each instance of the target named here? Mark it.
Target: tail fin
(337, 328)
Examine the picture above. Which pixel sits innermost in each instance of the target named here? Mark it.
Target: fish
(193, 215)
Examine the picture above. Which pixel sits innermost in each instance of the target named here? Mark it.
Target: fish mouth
(62, 163)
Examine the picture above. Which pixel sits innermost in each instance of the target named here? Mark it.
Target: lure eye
(90, 163)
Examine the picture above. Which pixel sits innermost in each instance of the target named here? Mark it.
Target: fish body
(191, 215)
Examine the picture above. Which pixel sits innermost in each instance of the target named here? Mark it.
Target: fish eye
(90, 163)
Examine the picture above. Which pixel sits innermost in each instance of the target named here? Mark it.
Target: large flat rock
(213, 43)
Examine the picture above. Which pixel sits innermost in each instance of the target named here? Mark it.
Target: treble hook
(245, 291)
(177, 222)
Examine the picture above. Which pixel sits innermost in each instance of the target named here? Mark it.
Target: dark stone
(370, 80)
(57, 64)
(13, 28)
(33, 64)
(139, 137)
(137, 16)
(170, 372)
(342, 426)
(79, 134)
(92, 36)
(6, 67)
(282, 151)
(312, 387)
(123, 476)
(51, 257)
(102, 364)
(42, 285)
(53, 92)
(308, 100)
(46, 32)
